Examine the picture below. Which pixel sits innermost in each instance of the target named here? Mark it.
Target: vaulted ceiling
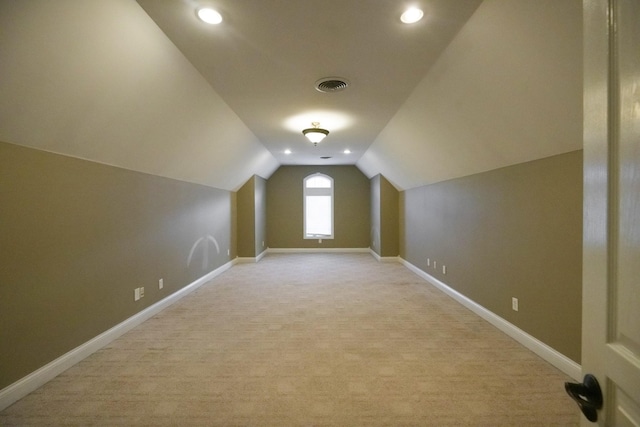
(265, 57)
(147, 86)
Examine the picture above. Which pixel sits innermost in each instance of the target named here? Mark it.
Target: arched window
(318, 207)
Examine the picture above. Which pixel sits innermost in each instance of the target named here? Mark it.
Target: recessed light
(411, 15)
(210, 16)
(347, 151)
(287, 151)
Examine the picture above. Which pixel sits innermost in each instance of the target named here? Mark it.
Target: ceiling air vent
(325, 157)
(331, 84)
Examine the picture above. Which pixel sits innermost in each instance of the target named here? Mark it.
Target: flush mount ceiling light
(210, 16)
(315, 134)
(411, 15)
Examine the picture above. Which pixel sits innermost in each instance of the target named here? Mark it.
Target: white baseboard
(246, 259)
(315, 250)
(383, 258)
(38, 378)
(557, 359)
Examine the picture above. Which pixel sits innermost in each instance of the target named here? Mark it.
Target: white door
(611, 269)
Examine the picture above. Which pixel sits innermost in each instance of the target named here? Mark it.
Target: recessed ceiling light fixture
(210, 16)
(287, 151)
(347, 151)
(315, 134)
(411, 15)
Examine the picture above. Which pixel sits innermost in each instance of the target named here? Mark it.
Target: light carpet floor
(307, 340)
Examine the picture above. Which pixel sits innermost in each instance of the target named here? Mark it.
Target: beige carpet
(307, 340)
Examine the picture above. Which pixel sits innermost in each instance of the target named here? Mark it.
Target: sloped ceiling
(265, 57)
(507, 90)
(145, 86)
(99, 80)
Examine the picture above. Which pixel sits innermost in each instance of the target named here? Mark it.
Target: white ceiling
(265, 57)
(507, 90)
(146, 86)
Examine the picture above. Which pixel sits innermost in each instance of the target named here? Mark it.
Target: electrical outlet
(228, 252)
(514, 304)
(444, 269)
(160, 283)
(136, 294)
(429, 262)
(435, 265)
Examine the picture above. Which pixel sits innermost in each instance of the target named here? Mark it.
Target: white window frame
(316, 192)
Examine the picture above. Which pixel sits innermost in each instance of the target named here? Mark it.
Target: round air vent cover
(331, 84)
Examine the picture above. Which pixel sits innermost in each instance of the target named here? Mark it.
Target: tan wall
(234, 226)
(402, 224)
(511, 232)
(246, 219)
(384, 217)
(389, 218)
(252, 217)
(375, 235)
(77, 237)
(260, 203)
(285, 209)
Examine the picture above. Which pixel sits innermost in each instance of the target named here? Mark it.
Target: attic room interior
(145, 153)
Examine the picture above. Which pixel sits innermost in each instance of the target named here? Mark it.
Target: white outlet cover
(160, 283)
(136, 294)
(444, 269)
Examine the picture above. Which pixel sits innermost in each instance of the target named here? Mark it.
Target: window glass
(318, 181)
(318, 218)
(318, 207)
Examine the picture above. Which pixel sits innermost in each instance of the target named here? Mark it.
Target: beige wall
(252, 221)
(511, 232)
(384, 217)
(82, 236)
(375, 236)
(246, 219)
(260, 203)
(285, 209)
(233, 253)
(77, 237)
(389, 218)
